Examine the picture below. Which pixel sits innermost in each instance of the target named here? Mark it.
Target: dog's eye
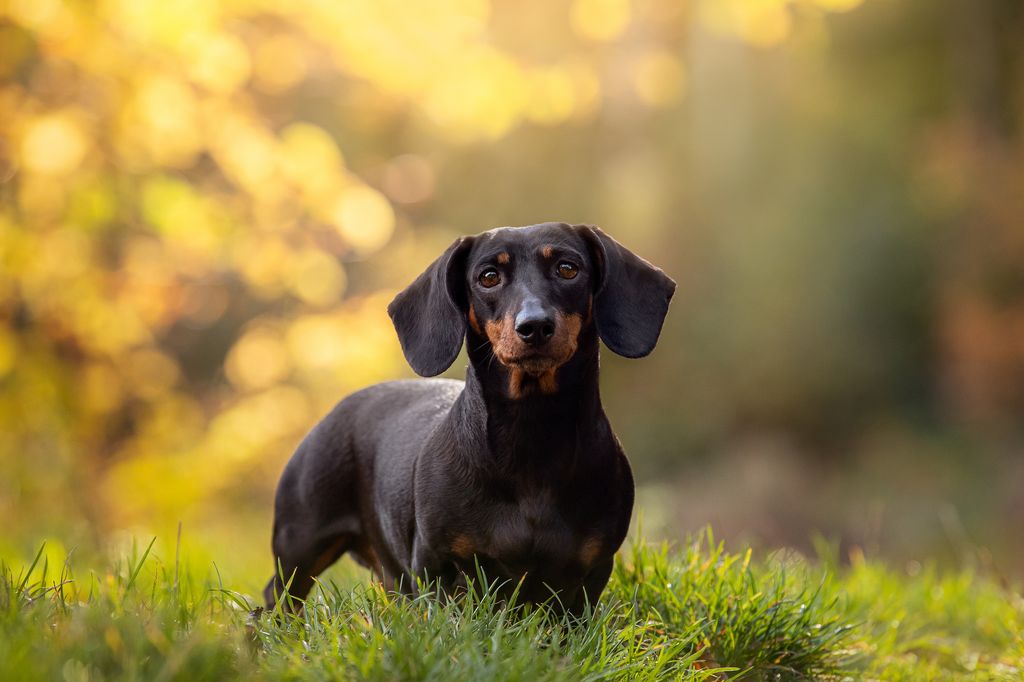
(489, 278)
(567, 270)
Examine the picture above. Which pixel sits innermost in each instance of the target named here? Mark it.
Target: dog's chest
(533, 529)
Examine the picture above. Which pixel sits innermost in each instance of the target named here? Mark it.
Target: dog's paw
(254, 617)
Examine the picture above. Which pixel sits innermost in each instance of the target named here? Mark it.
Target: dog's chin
(534, 365)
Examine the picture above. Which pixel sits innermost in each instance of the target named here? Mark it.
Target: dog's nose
(535, 330)
(534, 325)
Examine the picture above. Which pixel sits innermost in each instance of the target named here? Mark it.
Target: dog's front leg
(593, 585)
(432, 569)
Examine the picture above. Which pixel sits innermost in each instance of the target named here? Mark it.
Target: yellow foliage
(218, 62)
(54, 144)
(188, 186)
(279, 63)
(316, 278)
(659, 78)
(364, 218)
(8, 350)
(762, 22)
(408, 179)
(258, 360)
(600, 19)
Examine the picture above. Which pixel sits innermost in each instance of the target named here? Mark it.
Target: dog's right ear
(430, 314)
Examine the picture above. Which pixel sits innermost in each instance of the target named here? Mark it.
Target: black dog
(517, 469)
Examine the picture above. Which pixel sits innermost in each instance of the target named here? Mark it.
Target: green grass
(699, 613)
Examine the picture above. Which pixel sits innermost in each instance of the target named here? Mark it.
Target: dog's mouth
(533, 363)
(513, 353)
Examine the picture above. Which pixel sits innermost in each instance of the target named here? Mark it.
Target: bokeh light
(205, 207)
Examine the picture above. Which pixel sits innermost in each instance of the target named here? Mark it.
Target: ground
(696, 612)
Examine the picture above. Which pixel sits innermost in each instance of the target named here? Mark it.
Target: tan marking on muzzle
(563, 346)
(566, 338)
(542, 372)
(502, 335)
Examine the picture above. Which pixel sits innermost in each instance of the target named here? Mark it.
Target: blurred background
(205, 206)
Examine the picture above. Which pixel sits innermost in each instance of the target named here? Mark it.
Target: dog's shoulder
(408, 388)
(390, 397)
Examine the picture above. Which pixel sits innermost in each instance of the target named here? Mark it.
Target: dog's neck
(541, 424)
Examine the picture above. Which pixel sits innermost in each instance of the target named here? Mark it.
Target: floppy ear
(631, 296)
(429, 314)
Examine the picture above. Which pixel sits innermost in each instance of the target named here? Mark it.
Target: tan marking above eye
(547, 251)
(504, 258)
(489, 278)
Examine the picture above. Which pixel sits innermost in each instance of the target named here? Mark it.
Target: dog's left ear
(631, 296)
(429, 315)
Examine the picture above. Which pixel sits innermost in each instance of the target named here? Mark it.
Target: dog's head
(529, 292)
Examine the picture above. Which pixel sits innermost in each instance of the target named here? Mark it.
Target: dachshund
(514, 473)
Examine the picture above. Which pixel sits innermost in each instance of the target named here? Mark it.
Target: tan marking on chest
(462, 546)
(515, 383)
(547, 381)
